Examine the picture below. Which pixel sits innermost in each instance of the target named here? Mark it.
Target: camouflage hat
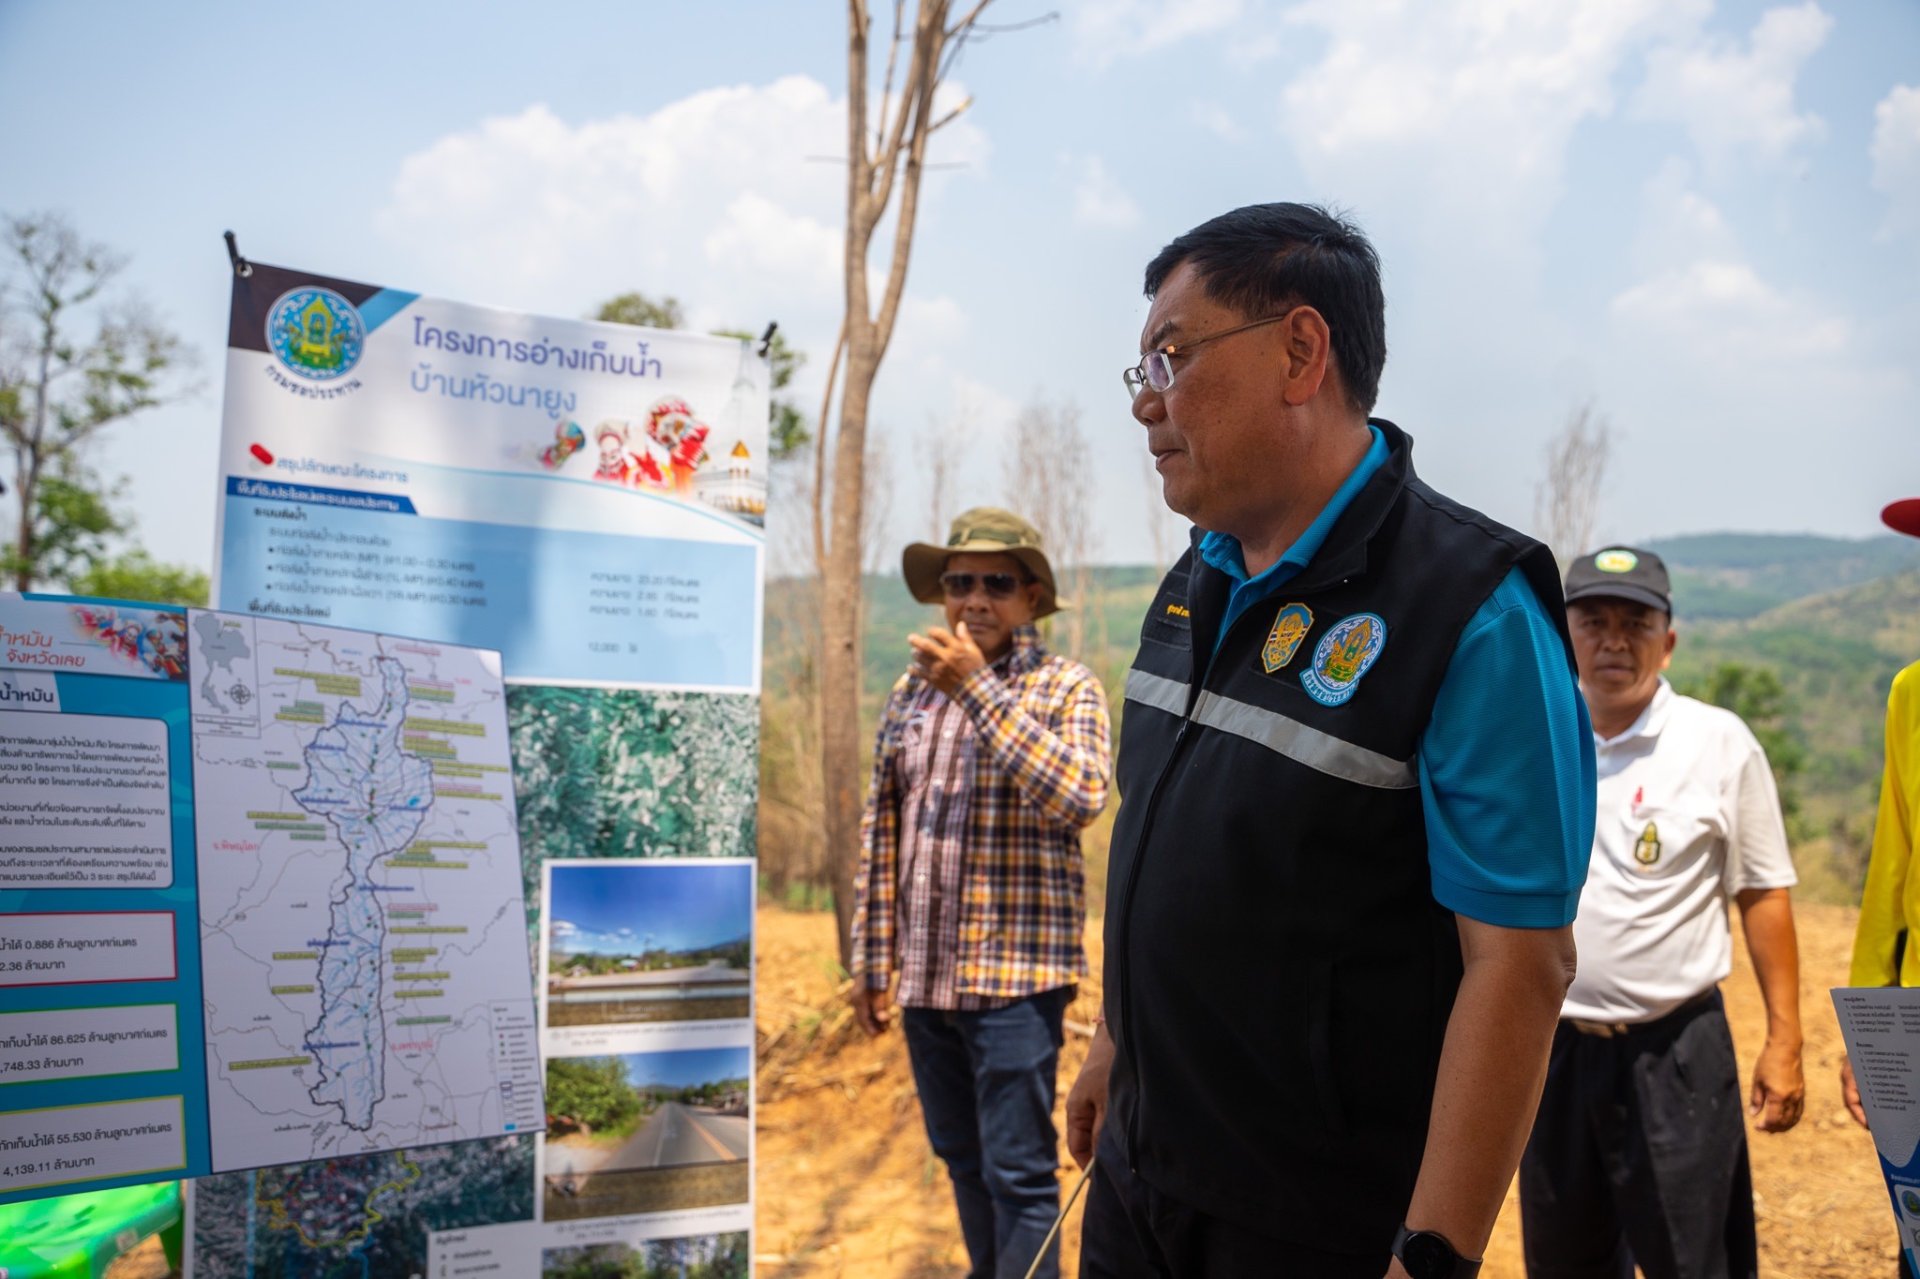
(984, 530)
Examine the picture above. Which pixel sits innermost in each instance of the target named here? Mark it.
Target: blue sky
(688, 1067)
(1704, 217)
(625, 909)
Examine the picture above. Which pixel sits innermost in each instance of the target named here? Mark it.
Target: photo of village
(647, 1132)
(649, 941)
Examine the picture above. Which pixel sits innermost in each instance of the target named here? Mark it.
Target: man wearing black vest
(1357, 804)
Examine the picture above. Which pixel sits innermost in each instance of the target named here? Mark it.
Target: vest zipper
(1126, 912)
(1133, 873)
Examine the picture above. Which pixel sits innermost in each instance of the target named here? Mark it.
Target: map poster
(362, 926)
(585, 498)
(100, 1047)
(1881, 1027)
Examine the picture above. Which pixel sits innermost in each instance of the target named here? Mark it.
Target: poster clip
(241, 267)
(766, 339)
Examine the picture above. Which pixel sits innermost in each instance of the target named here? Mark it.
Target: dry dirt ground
(848, 1187)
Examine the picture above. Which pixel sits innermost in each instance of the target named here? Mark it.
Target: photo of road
(647, 1132)
(674, 1134)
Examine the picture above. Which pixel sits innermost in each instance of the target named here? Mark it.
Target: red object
(259, 451)
(1903, 516)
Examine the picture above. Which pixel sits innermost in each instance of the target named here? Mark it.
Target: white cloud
(1736, 101)
(1721, 311)
(1217, 120)
(1104, 30)
(1895, 151)
(1456, 117)
(1098, 198)
(731, 199)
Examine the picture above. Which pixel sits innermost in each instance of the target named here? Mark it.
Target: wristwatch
(1427, 1255)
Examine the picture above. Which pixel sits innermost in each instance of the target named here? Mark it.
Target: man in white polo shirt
(1639, 1154)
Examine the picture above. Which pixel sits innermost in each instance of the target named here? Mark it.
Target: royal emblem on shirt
(1289, 628)
(1646, 849)
(1344, 654)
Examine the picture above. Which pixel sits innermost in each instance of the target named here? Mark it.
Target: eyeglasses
(1155, 370)
(999, 586)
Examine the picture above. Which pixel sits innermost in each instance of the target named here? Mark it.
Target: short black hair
(1264, 258)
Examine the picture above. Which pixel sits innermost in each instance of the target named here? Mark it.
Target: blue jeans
(986, 1083)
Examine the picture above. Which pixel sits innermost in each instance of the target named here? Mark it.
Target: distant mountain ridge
(1741, 575)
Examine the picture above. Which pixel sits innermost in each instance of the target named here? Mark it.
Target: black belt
(1616, 1029)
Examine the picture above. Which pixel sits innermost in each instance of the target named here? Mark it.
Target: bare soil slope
(849, 1188)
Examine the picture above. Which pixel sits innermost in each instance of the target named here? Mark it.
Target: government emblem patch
(1646, 849)
(316, 333)
(1290, 626)
(1343, 655)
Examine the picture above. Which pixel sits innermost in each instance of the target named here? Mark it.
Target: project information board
(585, 498)
(260, 896)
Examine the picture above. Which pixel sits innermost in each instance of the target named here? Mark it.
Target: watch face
(1428, 1256)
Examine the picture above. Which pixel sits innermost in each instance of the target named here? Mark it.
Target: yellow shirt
(1890, 906)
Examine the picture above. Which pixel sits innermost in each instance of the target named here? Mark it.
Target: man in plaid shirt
(992, 756)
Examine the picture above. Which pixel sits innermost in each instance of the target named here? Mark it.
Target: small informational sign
(1881, 1026)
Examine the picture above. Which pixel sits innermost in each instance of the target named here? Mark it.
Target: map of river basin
(367, 981)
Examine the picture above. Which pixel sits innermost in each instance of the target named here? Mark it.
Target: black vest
(1278, 974)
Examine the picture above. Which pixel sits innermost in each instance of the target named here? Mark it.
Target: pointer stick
(1046, 1243)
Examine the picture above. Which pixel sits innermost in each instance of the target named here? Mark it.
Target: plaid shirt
(970, 884)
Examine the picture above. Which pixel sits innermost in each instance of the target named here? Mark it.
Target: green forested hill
(1836, 654)
(1739, 575)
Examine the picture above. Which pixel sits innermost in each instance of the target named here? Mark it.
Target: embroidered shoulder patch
(1344, 654)
(1290, 626)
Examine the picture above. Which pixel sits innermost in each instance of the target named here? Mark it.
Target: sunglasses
(999, 586)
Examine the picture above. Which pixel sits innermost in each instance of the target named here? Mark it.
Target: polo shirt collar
(1650, 721)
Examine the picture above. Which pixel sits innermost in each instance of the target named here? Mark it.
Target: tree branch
(820, 456)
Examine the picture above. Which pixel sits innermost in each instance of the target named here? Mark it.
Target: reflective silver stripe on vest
(1320, 751)
(1157, 691)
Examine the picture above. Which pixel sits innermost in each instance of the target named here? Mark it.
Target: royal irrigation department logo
(315, 332)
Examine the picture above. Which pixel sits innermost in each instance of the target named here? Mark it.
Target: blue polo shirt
(1506, 764)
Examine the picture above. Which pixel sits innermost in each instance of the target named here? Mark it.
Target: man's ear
(1307, 354)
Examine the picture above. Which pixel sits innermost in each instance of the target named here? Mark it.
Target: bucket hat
(984, 530)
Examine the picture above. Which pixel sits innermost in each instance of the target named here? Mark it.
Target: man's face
(1217, 435)
(610, 450)
(1621, 648)
(989, 620)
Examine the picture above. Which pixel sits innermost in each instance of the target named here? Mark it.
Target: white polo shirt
(1687, 817)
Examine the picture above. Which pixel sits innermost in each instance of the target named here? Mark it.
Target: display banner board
(1881, 1026)
(585, 498)
(591, 496)
(259, 894)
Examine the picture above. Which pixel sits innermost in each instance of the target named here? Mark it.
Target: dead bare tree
(876, 512)
(886, 158)
(1566, 505)
(1047, 480)
(939, 452)
(1163, 526)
